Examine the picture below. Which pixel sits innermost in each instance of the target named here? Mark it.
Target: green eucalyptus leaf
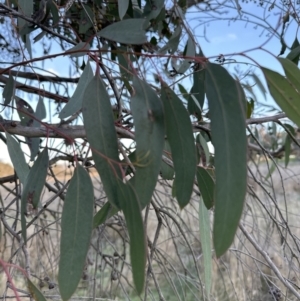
(104, 214)
(180, 137)
(129, 31)
(288, 142)
(227, 113)
(167, 172)
(122, 6)
(147, 112)
(25, 7)
(205, 239)
(35, 292)
(33, 187)
(201, 140)
(17, 158)
(153, 8)
(80, 49)
(9, 90)
(295, 52)
(173, 42)
(76, 230)
(190, 53)
(101, 134)
(206, 186)
(75, 102)
(132, 212)
(284, 93)
(34, 143)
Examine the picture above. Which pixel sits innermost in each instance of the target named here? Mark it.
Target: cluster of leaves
(165, 128)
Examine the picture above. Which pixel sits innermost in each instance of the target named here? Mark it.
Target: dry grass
(241, 274)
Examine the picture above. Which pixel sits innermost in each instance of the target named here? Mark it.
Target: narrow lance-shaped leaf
(292, 72)
(153, 8)
(284, 93)
(76, 229)
(173, 42)
(167, 172)
(147, 111)
(190, 53)
(35, 292)
(8, 90)
(295, 52)
(101, 134)
(129, 31)
(17, 158)
(34, 186)
(107, 211)
(26, 9)
(206, 186)
(75, 102)
(288, 142)
(181, 139)
(122, 7)
(204, 225)
(227, 111)
(34, 143)
(78, 50)
(196, 98)
(130, 206)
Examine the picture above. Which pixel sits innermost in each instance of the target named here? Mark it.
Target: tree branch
(53, 130)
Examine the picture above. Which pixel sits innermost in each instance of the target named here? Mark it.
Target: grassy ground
(271, 216)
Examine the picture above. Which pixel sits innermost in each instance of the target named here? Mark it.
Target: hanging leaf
(132, 212)
(76, 230)
(40, 111)
(147, 112)
(227, 112)
(122, 6)
(288, 142)
(206, 186)
(190, 53)
(291, 71)
(106, 212)
(17, 158)
(201, 140)
(180, 137)
(124, 63)
(34, 143)
(287, 150)
(35, 292)
(196, 100)
(284, 93)
(9, 90)
(80, 49)
(295, 52)
(153, 8)
(250, 107)
(173, 42)
(34, 186)
(259, 84)
(25, 111)
(25, 7)
(86, 19)
(101, 134)
(75, 102)
(54, 13)
(129, 31)
(167, 172)
(204, 226)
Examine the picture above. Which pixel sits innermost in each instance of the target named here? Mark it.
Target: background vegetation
(152, 171)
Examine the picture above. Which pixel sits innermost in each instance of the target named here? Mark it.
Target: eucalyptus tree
(144, 108)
